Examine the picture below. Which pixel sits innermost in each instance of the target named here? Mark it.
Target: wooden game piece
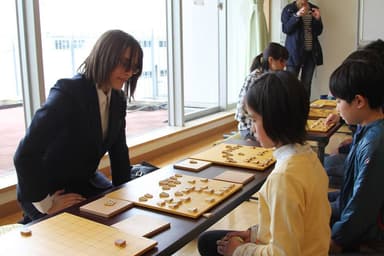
(219, 193)
(171, 184)
(207, 214)
(164, 194)
(194, 209)
(147, 195)
(161, 203)
(173, 205)
(143, 199)
(25, 232)
(110, 202)
(204, 180)
(168, 200)
(178, 175)
(177, 201)
(120, 243)
(210, 200)
(192, 161)
(178, 193)
(209, 190)
(163, 182)
(166, 187)
(186, 199)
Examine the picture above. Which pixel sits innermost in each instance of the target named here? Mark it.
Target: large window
(200, 55)
(193, 54)
(11, 112)
(70, 28)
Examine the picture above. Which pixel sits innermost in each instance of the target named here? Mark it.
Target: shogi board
(321, 112)
(318, 125)
(142, 225)
(235, 176)
(183, 195)
(106, 207)
(192, 165)
(323, 103)
(250, 157)
(67, 234)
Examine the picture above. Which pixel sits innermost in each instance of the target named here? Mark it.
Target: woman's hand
(316, 13)
(62, 201)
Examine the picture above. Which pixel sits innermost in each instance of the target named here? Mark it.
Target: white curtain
(258, 31)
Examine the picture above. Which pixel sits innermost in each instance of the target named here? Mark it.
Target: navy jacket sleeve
(363, 197)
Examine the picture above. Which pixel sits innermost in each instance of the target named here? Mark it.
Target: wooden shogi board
(318, 125)
(67, 234)
(323, 103)
(187, 196)
(250, 157)
(321, 112)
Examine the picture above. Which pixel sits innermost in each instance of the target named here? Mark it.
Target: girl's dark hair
(361, 73)
(274, 50)
(281, 100)
(106, 55)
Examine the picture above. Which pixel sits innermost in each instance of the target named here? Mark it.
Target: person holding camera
(301, 22)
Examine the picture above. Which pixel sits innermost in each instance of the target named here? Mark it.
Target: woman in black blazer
(82, 119)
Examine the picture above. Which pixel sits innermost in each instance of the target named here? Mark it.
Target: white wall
(339, 37)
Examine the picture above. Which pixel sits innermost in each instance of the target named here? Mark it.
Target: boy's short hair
(281, 100)
(362, 73)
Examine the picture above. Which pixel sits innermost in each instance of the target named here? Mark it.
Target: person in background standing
(301, 22)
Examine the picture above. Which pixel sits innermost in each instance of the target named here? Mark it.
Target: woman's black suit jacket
(63, 145)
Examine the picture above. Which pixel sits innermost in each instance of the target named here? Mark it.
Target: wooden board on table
(192, 165)
(236, 177)
(318, 125)
(106, 207)
(250, 157)
(320, 112)
(320, 103)
(142, 225)
(67, 234)
(183, 195)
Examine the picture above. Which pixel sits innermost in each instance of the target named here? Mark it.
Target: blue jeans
(307, 69)
(333, 198)
(334, 165)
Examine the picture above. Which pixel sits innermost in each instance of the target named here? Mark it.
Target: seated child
(273, 58)
(293, 213)
(358, 209)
